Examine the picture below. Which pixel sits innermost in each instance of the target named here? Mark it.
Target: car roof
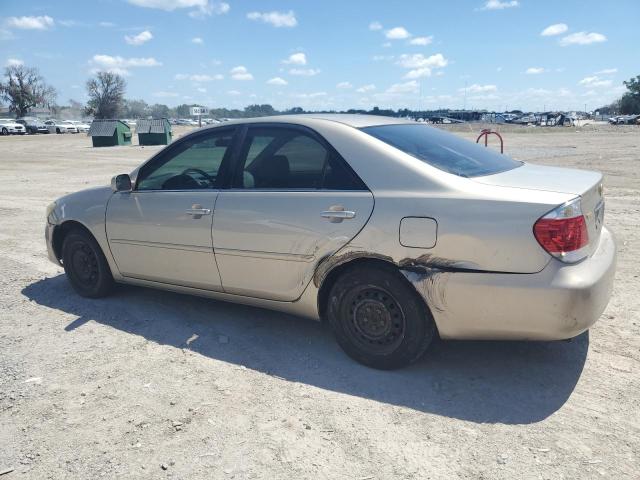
(350, 119)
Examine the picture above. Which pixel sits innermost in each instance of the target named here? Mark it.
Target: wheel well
(61, 231)
(333, 275)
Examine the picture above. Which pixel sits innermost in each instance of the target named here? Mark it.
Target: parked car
(78, 127)
(33, 125)
(56, 126)
(11, 127)
(389, 229)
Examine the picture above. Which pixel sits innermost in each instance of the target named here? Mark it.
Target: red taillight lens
(561, 235)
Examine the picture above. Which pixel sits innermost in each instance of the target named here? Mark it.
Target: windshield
(443, 150)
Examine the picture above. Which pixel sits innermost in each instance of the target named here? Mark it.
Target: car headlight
(51, 215)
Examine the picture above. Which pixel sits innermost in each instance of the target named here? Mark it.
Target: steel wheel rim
(84, 263)
(375, 320)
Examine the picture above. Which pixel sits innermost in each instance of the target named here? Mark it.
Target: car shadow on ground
(483, 382)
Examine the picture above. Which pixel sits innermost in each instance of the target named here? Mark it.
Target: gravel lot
(149, 384)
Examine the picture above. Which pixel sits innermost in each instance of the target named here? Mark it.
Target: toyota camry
(390, 230)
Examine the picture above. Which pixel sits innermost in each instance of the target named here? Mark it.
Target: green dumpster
(109, 133)
(156, 131)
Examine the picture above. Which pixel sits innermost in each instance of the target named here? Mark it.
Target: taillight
(563, 232)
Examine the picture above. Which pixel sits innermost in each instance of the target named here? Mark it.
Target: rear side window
(443, 150)
(286, 158)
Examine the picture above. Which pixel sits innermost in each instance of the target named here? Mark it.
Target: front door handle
(196, 211)
(337, 214)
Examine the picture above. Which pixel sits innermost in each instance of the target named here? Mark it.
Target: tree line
(24, 89)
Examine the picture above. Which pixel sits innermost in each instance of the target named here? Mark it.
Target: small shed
(154, 132)
(109, 133)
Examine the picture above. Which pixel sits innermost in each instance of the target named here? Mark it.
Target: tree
(159, 111)
(24, 89)
(135, 109)
(106, 94)
(630, 101)
(183, 110)
(259, 110)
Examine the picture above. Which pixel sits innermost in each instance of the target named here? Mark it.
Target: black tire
(5, 131)
(85, 265)
(57, 130)
(378, 318)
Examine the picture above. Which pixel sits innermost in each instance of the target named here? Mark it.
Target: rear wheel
(5, 131)
(85, 265)
(378, 318)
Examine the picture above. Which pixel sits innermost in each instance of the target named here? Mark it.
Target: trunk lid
(583, 183)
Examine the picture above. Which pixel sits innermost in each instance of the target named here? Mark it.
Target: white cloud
(305, 72)
(344, 85)
(534, 70)
(277, 19)
(366, 88)
(198, 78)
(421, 40)
(582, 38)
(397, 33)
(555, 29)
(386, 44)
(375, 26)
(233, 92)
(407, 87)
(607, 71)
(197, 40)
(475, 88)
(163, 94)
(142, 37)
(202, 8)
(201, 89)
(106, 24)
(31, 23)
(594, 81)
(13, 62)
(418, 60)
(240, 73)
(499, 5)
(277, 81)
(418, 73)
(108, 61)
(296, 59)
(309, 95)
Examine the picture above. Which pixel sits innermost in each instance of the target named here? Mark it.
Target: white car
(79, 127)
(54, 126)
(10, 127)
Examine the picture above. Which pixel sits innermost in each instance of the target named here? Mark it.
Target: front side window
(443, 150)
(284, 158)
(193, 164)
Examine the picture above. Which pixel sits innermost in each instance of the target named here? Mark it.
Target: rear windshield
(443, 150)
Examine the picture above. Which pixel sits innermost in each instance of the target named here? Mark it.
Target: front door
(161, 231)
(293, 201)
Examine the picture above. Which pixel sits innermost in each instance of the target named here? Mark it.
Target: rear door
(161, 231)
(293, 201)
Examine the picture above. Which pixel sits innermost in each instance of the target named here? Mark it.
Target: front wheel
(5, 131)
(378, 318)
(85, 265)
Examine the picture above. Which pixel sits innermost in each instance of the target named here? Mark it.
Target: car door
(293, 201)
(161, 230)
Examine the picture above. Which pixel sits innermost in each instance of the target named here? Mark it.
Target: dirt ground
(149, 384)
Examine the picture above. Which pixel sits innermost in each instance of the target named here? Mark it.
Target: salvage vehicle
(390, 230)
(11, 127)
(56, 126)
(33, 125)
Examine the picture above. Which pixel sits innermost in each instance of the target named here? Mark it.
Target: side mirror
(121, 183)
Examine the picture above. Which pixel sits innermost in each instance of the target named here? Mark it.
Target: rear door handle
(337, 214)
(196, 211)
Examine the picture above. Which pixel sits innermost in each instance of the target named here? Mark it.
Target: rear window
(443, 150)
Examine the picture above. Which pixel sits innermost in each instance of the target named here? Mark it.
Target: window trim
(227, 160)
(240, 155)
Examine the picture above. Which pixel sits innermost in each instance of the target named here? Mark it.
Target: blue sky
(528, 54)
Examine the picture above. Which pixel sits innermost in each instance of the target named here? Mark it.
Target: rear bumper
(559, 302)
